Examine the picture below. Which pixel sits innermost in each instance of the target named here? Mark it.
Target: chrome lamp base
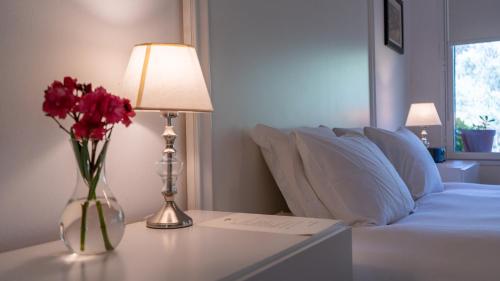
(168, 217)
(169, 168)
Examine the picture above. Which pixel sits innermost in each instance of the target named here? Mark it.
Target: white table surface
(458, 164)
(194, 253)
(459, 171)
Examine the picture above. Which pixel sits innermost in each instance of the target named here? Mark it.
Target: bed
(451, 235)
(449, 231)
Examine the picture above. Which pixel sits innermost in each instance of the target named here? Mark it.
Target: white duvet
(452, 235)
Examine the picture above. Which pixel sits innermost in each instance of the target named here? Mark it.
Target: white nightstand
(194, 253)
(459, 171)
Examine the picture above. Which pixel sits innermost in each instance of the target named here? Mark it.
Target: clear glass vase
(92, 221)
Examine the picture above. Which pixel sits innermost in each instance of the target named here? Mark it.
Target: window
(476, 86)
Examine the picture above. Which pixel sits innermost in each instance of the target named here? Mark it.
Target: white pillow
(344, 131)
(283, 160)
(410, 158)
(354, 179)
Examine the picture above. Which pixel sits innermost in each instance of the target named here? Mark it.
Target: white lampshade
(423, 114)
(166, 77)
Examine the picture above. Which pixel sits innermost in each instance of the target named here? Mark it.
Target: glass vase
(92, 221)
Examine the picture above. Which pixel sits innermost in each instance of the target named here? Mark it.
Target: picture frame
(394, 25)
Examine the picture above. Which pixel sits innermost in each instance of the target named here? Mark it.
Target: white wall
(284, 63)
(89, 39)
(390, 69)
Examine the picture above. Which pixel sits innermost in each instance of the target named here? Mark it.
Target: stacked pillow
(354, 179)
(285, 164)
(407, 154)
(362, 180)
(411, 159)
(344, 131)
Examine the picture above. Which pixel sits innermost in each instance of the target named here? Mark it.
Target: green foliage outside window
(476, 88)
(459, 126)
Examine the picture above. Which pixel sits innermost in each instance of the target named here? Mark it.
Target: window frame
(450, 109)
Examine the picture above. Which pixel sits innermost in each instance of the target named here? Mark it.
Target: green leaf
(77, 148)
(99, 165)
(86, 159)
(102, 154)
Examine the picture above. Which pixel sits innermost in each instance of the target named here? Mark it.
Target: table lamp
(423, 115)
(167, 78)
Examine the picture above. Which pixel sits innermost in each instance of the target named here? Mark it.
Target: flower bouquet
(92, 222)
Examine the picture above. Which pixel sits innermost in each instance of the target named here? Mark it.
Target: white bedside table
(459, 171)
(194, 253)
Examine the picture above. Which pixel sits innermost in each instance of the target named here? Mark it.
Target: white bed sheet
(452, 235)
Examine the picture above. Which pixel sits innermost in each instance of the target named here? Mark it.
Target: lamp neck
(423, 137)
(169, 188)
(169, 134)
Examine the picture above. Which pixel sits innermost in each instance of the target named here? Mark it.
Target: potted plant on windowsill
(480, 137)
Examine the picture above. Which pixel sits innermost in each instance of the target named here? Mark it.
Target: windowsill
(491, 156)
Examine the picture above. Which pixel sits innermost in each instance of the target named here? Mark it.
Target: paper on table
(270, 223)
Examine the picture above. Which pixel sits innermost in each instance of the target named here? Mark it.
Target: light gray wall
(391, 75)
(427, 69)
(284, 63)
(428, 61)
(474, 21)
(427, 57)
(89, 39)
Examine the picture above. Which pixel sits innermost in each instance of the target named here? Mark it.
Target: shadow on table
(66, 267)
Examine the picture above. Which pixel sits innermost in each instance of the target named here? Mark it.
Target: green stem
(93, 165)
(91, 174)
(102, 223)
(61, 126)
(83, 225)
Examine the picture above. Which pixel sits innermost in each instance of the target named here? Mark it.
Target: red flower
(114, 109)
(97, 133)
(70, 83)
(100, 105)
(80, 130)
(60, 98)
(95, 111)
(87, 128)
(129, 112)
(93, 104)
(85, 88)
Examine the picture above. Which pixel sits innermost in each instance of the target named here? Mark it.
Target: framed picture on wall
(393, 25)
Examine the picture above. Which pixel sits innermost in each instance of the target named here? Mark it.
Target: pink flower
(60, 98)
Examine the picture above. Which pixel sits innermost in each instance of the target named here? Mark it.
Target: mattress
(451, 235)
